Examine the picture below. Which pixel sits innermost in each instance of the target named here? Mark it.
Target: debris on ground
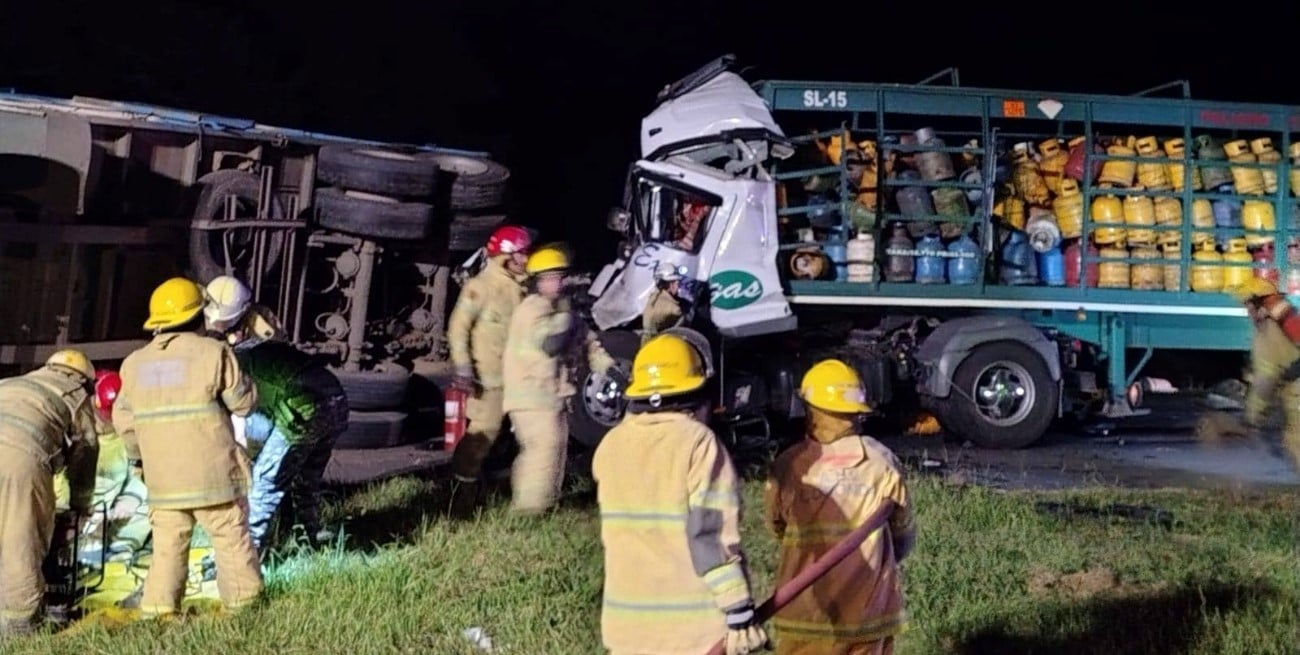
(479, 637)
(1081, 585)
(1137, 513)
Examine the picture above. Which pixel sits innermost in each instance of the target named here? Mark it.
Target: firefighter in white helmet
(663, 310)
(230, 306)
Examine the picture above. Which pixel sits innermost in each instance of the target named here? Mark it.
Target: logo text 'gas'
(734, 289)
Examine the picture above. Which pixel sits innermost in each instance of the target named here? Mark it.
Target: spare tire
(476, 182)
(376, 170)
(371, 390)
(469, 233)
(207, 246)
(371, 216)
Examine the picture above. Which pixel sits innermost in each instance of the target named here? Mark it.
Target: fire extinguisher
(453, 421)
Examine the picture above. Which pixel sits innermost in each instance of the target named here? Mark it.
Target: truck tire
(469, 233)
(371, 216)
(476, 182)
(591, 418)
(206, 246)
(372, 390)
(367, 430)
(375, 170)
(1022, 417)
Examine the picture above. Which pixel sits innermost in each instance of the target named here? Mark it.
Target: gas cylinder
(1107, 210)
(1173, 272)
(1266, 268)
(1203, 217)
(1139, 212)
(1258, 215)
(1153, 176)
(1266, 154)
(1029, 182)
(1051, 164)
(973, 176)
(1175, 149)
(1051, 266)
(1207, 274)
(1019, 265)
(453, 417)
(907, 159)
(1209, 151)
(838, 255)
(914, 201)
(810, 263)
(963, 262)
(1042, 231)
(1014, 209)
(1169, 213)
(1114, 274)
(930, 267)
(900, 264)
(1294, 177)
(1247, 181)
(1146, 276)
(1074, 254)
(1074, 160)
(950, 202)
(1227, 214)
(934, 166)
(860, 253)
(1293, 282)
(1117, 171)
(1235, 276)
(1068, 209)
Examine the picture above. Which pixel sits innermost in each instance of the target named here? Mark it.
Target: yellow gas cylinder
(1266, 154)
(1173, 272)
(1015, 212)
(1258, 215)
(1029, 182)
(1235, 276)
(1068, 207)
(1107, 210)
(1207, 275)
(1151, 175)
(1202, 217)
(1247, 181)
(1145, 276)
(1295, 169)
(1169, 213)
(1051, 164)
(1176, 149)
(1113, 274)
(1119, 172)
(1139, 212)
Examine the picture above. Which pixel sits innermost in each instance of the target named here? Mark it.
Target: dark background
(556, 90)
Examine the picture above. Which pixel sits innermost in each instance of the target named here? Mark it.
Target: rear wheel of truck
(476, 182)
(371, 216)
(1003, 397)
(469, 233)
(376, 170)
(216, 252)
(593, 417)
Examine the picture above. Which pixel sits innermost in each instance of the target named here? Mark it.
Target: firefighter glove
(744, 634)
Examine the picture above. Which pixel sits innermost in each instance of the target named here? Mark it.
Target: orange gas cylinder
(1236, 276)
(1107, 210)
(1258, 215)
(1139, 212)
(1052, 164)
(1147, 277)
(1153, 176)
(1202, 217)
(1068, 207)
(1265, 267)
(1119, 172)
(1207, 273)
(1295, 169)
(1173, 272)
(1265, 154)
(1114, 274)
(1247, 181)
(1169, 213)
(1176, 149)
(1029, 182)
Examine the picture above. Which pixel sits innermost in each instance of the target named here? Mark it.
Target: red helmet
(107, 384)
(508, 239)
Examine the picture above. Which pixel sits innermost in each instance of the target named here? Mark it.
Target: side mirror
(618, 220)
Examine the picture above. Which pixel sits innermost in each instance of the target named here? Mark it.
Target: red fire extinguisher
(453, 418)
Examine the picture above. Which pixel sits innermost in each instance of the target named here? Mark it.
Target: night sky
(556, 90)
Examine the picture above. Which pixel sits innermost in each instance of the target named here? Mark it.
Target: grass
(992, 573)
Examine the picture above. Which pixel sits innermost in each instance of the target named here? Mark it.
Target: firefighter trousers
(538, 474)
(26, 527)
(483, 417)
(239, 574)
(788, 647)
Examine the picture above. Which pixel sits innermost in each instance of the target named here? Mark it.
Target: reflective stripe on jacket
(48, 414)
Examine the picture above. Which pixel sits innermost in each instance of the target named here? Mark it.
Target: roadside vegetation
(1097, 571)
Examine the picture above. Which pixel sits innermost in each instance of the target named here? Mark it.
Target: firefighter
(1274, 359)
(476, 339)
(820, 490)
(663, 310)
(301, 411)
(545, 337)
(676, 580)
(174, 414)
(230, 305)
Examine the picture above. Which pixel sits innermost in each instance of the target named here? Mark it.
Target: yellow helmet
(175, 302)
(666, 365)
(73, 360)
(833, 386)
(546, 258)
(1254, 287)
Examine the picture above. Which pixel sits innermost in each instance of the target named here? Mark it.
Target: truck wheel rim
(1004, 393)
(605, 412)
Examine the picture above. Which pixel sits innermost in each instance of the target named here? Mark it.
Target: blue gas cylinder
(929, 263)
(1051, 267)
(964, 262)
(1227, 214)
(1019, 265)
(838, 254)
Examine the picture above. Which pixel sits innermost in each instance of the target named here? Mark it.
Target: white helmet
(669, 272)
(228, 300)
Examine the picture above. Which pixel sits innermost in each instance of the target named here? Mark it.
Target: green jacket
(291, 385)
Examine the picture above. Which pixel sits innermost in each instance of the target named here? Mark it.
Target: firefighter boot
(465, 496)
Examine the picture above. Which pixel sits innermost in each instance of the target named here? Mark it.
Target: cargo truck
(1002, 259)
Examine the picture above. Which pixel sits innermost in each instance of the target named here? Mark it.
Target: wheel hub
(1004, 393)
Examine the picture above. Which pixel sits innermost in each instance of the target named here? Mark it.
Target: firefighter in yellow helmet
(545, 338)
(676, 580)
(47, 425)
(174, 415)
(821, 490)
(1274, 359)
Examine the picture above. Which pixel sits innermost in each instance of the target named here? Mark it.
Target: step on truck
(1001, 259)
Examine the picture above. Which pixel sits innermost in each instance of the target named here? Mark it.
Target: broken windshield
(673, 215)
